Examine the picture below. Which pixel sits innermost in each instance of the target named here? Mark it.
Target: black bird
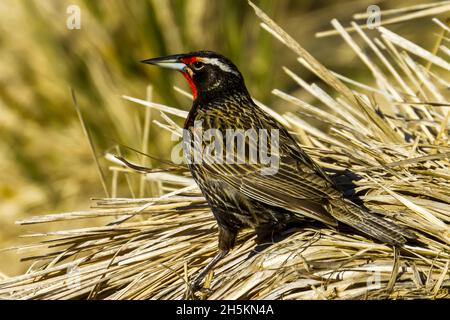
(238, 193)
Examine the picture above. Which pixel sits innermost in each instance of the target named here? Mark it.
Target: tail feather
(381, 229)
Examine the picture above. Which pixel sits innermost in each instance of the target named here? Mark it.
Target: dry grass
(393, 134)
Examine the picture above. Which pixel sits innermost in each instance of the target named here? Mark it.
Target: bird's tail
(357, 217)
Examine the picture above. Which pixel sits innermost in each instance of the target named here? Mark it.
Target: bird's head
(208, 73)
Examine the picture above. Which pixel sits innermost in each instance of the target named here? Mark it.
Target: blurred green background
(45, 161)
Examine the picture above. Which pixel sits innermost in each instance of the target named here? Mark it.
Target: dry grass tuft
(393, 134)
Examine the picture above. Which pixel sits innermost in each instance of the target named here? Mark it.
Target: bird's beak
(170, 62)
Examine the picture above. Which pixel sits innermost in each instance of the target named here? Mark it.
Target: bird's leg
(199, 278)
(227, 238)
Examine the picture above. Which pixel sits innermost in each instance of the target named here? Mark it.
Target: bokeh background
(45, 161)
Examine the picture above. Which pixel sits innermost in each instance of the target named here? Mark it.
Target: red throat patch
(186, 75)
(191, 84)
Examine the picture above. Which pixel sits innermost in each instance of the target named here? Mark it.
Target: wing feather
(299, 185)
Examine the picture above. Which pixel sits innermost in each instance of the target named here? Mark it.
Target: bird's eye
(197, 65)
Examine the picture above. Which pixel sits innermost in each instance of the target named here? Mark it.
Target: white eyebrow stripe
(217, 62)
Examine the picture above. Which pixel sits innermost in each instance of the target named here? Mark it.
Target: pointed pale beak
(170, 62)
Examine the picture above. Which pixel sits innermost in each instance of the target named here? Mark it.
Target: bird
(238, 193)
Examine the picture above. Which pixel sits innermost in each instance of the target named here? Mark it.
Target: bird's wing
(298, 184)
(257, 119)
(290, 189)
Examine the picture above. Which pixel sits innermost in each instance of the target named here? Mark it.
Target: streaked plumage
(238, 194)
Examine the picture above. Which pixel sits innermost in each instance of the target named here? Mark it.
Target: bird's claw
(195, 290)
